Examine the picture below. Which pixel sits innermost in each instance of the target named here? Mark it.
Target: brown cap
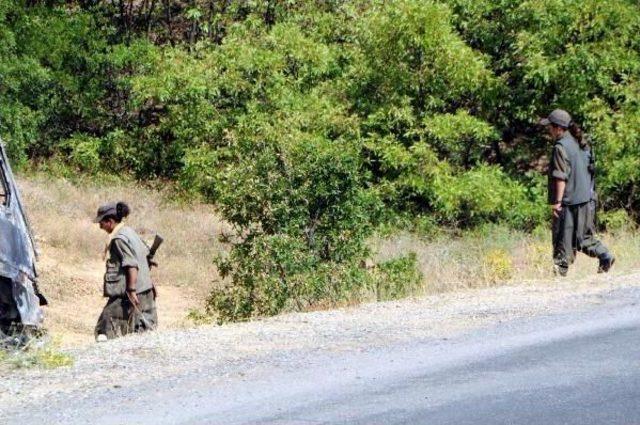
(104, 211)
(559, 117)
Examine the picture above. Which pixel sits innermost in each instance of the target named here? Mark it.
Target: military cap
(559, 117)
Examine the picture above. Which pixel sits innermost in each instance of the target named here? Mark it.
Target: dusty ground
(74, 291)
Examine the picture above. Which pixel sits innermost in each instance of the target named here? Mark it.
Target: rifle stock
(157, 241)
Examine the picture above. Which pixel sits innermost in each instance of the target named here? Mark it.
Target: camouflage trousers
(574, 231)
(119, 317)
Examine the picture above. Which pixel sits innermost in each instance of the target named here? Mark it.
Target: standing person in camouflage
(131, 305)
(572, 195)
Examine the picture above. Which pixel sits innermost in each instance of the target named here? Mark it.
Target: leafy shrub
(304, 226)
(198, 172)
(582, 56)
(397, 278)
(455, 84)
(292, 181)
(462, 138)
(84, 152)
(487, 194)
(412, 55)
(270, 274)
(617, 221)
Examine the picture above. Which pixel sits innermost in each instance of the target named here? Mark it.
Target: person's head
(558, 122)
(110, 215)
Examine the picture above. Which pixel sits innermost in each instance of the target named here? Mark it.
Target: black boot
(606, 261)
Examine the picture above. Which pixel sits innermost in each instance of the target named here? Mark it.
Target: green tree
(583, 56)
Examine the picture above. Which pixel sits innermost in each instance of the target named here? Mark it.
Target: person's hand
(556, 210)
(133, 297)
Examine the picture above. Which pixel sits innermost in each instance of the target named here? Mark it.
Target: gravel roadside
(249, 348)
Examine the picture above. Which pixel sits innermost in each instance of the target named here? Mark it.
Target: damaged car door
(20, 299)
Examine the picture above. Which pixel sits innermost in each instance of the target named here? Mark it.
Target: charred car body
(20, 299)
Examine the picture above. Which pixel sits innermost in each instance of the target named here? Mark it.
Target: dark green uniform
(119, 316)
(574, 230)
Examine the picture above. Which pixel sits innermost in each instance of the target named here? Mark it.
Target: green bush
(397, 278)
(301, 207)
(431, 90)
(83, 152)
(617, 221)
(274, 273)
(583, 56)
(198, 173)
(487, 195)
(59, 78)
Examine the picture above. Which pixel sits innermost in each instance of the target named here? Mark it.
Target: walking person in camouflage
(572, 195)
(131, 305)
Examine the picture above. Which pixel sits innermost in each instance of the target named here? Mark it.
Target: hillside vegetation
(310, 125)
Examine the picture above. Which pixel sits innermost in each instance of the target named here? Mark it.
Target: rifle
(157, 241)
(592, 171)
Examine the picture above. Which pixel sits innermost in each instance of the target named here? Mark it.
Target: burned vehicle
(20, 300)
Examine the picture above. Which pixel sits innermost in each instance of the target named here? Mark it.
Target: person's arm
(560, 170)
(559, 186)
(132, 280)
(130, 264)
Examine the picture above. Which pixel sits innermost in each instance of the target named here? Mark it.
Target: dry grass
(498, 256)
(71, 246)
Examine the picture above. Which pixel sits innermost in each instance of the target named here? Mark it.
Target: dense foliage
(309, 122)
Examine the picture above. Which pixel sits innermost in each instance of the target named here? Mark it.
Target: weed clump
(497, 266)
(23, 351)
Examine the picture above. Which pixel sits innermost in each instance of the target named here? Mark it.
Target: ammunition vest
(579, 185)
(115, 280)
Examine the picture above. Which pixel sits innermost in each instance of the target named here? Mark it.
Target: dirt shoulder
(238, 349)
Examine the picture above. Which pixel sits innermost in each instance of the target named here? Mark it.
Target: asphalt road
(574, 368)
(581, 369)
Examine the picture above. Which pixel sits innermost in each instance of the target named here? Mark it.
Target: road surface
(580, 367)
(581, 370)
